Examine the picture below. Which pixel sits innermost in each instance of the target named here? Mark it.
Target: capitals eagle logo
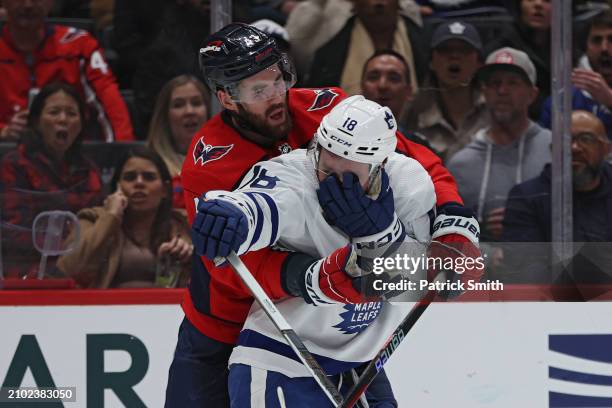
(323, 98)
(204, 153)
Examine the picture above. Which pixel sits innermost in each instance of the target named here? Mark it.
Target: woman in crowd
(134, 233)
(47, 171)
(180, 111)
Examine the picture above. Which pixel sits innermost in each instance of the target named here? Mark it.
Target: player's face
(186, 113)
(263, 103)
(141, 182)
(385, 82)
(59, 123)
(454, 63)
(27, 14)
(508, 96)
(330, 163)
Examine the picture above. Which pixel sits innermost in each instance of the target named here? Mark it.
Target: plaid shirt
(30, 183)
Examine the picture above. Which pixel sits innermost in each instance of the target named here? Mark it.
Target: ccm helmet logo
(341, 141)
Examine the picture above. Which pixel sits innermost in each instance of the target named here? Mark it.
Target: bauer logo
(323, 99)
(204, 153)
(358, 317)
(580, 370)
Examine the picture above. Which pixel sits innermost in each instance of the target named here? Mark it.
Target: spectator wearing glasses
(122, 241)
(528, 211)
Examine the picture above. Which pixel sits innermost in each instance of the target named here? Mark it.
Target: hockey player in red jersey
(262, 117)
(34, 54)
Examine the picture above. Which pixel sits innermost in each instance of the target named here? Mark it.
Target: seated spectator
(36, 53)
(123, 241)
(528, 211)
(592, 78)
(531, 33)
(450, 109)
(180, 111)
(46, 172)
(510, 150)
(386, 80)
(312, 23)
(375, 26)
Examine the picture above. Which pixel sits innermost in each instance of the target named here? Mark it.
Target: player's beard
(260, 125)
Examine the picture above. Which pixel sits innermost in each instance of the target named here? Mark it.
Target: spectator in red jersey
(122, 241)
(46, 172)
(182, 107)
(34, 53)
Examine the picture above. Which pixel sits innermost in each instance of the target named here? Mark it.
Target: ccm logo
(341, 141)
(457, 222)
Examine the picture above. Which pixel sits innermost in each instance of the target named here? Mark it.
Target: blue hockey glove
(349, 208)
(218, 228)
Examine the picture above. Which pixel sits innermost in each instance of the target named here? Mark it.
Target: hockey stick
(286, 330)
(377, 363)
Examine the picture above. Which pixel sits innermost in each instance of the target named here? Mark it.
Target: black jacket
(329, 60)
(528, 219)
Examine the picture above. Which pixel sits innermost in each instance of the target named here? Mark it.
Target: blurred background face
(454, 62)
(377, 12)
(589, 148)
(59, 123)
(599, 51)
(27, 14)
(508, 96)
(141, 182)
(536, 14)
(186, 113)
(385, 81)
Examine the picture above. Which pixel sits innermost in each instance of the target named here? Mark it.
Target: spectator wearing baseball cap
(450, 109)
(511, 149)
(530, 33)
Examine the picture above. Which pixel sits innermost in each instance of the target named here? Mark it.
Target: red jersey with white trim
(69, 55)
(217, 302)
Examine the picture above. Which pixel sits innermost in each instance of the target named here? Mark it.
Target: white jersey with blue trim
(280, 199)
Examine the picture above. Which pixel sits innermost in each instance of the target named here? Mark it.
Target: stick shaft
(377, 363)
(285, 329)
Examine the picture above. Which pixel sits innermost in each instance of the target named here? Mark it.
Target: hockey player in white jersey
(348, 195)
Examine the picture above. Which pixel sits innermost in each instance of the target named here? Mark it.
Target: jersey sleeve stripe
(273, 217)
(259, 218)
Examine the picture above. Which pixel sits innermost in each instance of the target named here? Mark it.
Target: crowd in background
(471, 80)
